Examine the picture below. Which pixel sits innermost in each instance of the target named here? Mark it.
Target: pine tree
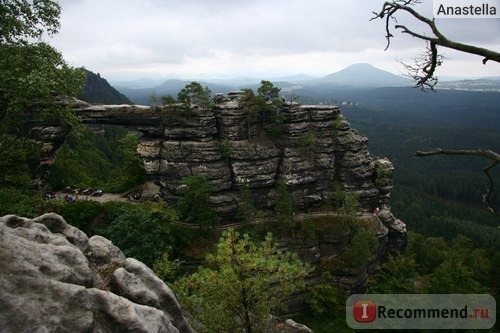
(242, 285)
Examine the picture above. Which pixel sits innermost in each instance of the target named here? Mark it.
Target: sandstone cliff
(55, 279)
(318, 149)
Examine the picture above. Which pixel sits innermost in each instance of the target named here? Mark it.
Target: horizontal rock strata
(317, 151)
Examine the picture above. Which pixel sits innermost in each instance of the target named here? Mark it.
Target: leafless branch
(426, 78)
(494, 157)
(486, 199)
(423, 68)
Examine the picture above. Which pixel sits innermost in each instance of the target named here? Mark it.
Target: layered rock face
(317, 149)
(55, 279)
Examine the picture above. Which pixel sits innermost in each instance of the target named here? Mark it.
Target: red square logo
(365, 311)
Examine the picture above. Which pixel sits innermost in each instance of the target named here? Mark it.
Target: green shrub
(167, 269)
(137, 231)
(81, 213)
(326, 298)
(194, 203)
(307, 144)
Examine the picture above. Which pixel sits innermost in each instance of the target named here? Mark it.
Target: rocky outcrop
(55, 279)
(317, 149)
(49, 138)
(326, 242)
(292, 326)
(317, 152)
(97, 90)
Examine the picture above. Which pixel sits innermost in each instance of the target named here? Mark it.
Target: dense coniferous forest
(440, 195)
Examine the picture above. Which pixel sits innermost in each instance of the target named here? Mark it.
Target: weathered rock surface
(318, 148)
(55, 279)
(326, 247)
(49, 137)
(292, 326)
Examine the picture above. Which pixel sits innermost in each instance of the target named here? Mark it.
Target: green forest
(453, 241)
(238, 280)
(452, 245)
(439, 195)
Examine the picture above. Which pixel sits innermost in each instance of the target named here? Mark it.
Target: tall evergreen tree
(194, 203)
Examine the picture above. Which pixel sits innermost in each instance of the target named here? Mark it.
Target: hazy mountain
(143, 82)
(253, 82)
(294, 78)
(346, 85)
(362, 75)
(169, 87)
(493, 78)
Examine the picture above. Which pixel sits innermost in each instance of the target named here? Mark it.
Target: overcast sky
(196, 39)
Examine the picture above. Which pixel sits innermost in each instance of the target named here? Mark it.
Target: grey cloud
(112, 33)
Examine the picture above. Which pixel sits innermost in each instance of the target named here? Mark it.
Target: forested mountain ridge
(98, 90)
(441, 195)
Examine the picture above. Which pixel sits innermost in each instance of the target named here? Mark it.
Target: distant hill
(98, 90)
(169, 87)
(493, 78)
(143, 82)
(362, 75)
(355, 83)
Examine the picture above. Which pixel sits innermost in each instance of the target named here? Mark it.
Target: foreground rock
(54, 278)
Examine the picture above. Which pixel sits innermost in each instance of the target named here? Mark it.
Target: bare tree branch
(388, 12)
(486, 199)
(494, 157)
(423, 68)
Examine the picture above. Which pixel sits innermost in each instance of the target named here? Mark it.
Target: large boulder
(54, 278)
